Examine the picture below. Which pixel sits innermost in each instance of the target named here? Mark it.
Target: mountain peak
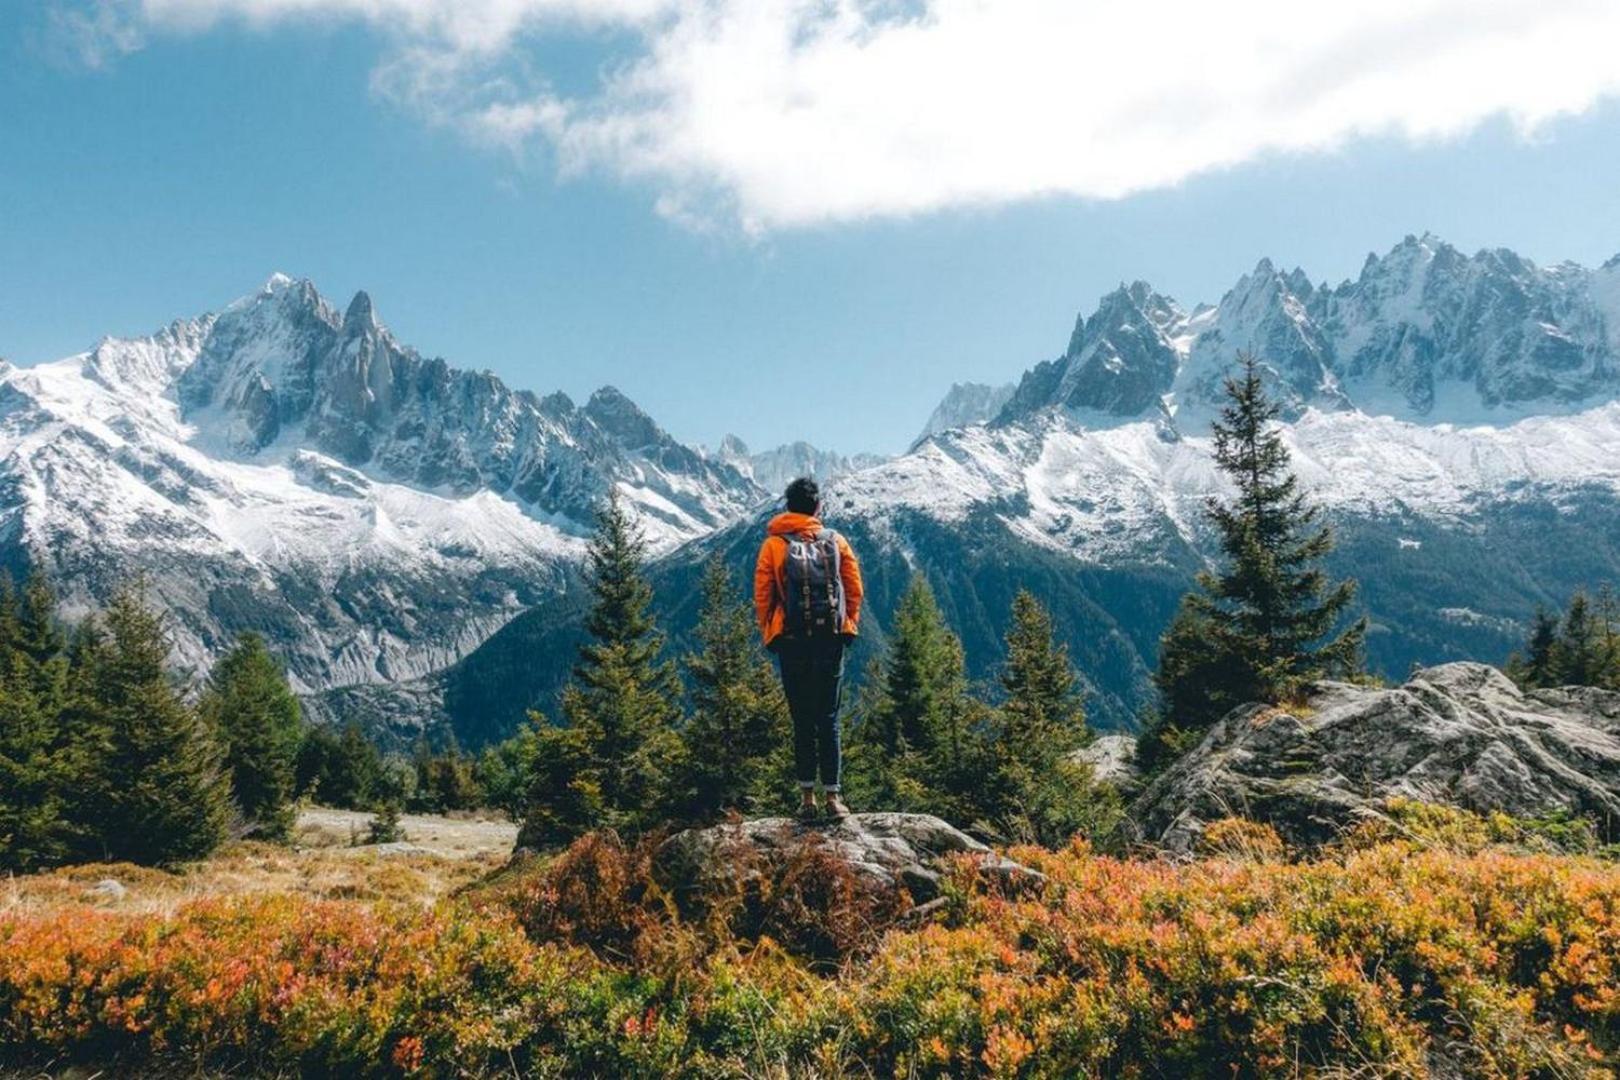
(276, 282)
(360, 318)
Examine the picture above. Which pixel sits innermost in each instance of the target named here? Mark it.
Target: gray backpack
(815, 589)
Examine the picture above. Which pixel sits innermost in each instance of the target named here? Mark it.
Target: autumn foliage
(1391, 955)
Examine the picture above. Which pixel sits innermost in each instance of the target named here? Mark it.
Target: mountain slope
(281, 467)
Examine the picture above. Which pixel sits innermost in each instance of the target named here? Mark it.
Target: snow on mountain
(1423, 333)
(284, 468)
(966, 403)
(1099, 493)
(774, 469)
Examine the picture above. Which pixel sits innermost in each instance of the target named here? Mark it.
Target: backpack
(814, 604)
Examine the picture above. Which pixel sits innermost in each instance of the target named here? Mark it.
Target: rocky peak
(360, 318)
(622, 419)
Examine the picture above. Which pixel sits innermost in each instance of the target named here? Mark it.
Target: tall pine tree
(1040, 794)
(738, 744)
(610, 763)
(250, 704)
(922, 743)
(35, 825)
(161, 791)
(1267, 621)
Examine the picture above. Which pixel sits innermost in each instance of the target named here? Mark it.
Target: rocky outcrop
(887, 851)
(1460, 734)
(1112, 760)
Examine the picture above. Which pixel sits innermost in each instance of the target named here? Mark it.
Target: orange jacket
(770, 575)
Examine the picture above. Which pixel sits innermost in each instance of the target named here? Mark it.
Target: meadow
(1433, 943)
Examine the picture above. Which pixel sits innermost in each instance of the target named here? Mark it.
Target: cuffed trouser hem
(831, 789)
(807, 785)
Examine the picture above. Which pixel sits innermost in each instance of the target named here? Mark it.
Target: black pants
(812, 673)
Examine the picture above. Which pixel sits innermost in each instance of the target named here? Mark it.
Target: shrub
(1389, 958)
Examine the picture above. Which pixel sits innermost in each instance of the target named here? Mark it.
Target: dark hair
(803, 496)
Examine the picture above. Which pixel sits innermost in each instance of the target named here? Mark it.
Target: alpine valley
(408, 536)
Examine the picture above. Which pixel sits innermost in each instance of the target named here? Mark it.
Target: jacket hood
(791, 524)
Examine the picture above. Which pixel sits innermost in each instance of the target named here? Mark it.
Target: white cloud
(787, 113)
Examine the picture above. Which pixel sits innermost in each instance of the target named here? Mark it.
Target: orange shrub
(1387, 958)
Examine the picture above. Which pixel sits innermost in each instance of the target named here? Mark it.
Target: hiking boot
(836, 807)
(808, 811)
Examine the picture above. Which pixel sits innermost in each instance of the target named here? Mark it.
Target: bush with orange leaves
(1385, 957)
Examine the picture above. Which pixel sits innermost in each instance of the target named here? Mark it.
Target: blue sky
(155, 163)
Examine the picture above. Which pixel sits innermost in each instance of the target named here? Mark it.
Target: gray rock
(1460, 734)
(885, 849)
(107, 889)
(1112, 759)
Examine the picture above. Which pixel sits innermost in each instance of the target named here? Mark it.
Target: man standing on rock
(807, 598)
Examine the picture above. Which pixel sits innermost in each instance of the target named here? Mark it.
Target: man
(807, 597)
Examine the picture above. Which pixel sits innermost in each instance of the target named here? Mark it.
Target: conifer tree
(250, 704)
(1040, 793)
(610, 764)
(922, 744)
(1578, 653)
(1539, 665)
(35, 826)
(341, 770)
(739, 728)
(163, 793)
(1265, 623)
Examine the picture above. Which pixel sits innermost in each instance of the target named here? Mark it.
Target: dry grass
(439, 856)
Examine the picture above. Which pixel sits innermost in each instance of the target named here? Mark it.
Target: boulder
(1112, 759)
(1459, 734)
(885, 850)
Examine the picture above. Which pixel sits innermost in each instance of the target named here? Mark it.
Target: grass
(1427, 942)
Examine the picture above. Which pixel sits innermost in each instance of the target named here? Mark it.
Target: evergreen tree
(1041, 795)
(35, 827)
(1578, 653)
(163, 793)
(1539, 666)
(249, 702)
(341, 770)
(610, 764)
(446, 780)
(922, 742)
(503, 771)
(1265, 623)
(739, 726)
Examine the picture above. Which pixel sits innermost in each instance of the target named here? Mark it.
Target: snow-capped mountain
(1424, 333)
(284, 467)
(773, 469)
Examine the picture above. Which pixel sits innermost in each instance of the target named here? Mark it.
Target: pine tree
(1578, 653)
(1040, 794)
(34, 830)
(1538, 667)
(922, 744)
(341, 770)
(739, 727)
(1265, 623)
(250, 704)
(164, 795)
(610, 764)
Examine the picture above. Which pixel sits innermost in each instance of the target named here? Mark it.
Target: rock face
(888, 850)
(1113, 761)
(1460, 734)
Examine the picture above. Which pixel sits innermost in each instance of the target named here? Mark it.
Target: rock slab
(1461, 734)
(887, 850)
